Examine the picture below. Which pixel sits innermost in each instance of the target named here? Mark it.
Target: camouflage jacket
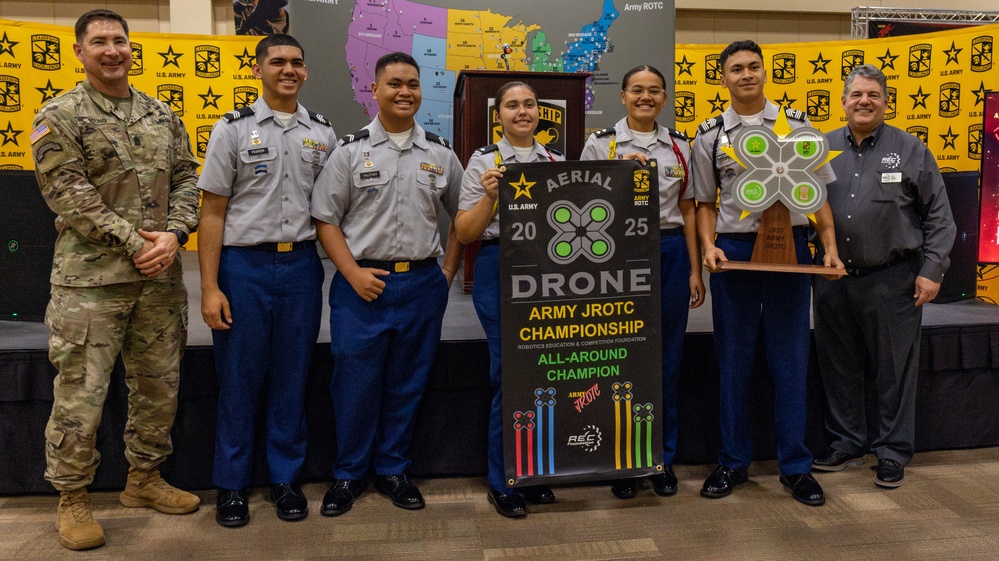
(105, 176)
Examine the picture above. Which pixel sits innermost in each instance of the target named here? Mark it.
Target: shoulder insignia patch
(711, 123)
(604, 132)
(363, 133)
(677, 134)
(319, 118)
(237, 114)
(487, 149)
(796, 114)
(438, 139)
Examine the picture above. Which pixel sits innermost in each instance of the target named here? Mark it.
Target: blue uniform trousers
(276, 301)
(745, 306)
(486, 298)
(383, 351)
(674, 272)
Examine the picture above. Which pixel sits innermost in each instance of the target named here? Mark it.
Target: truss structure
(861, 17)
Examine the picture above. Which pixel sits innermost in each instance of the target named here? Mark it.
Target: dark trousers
(747, 305)
(674, 270)
(382, 354)
(870, 323)
(276, 301)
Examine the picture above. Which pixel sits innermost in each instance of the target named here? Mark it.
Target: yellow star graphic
(523, 187)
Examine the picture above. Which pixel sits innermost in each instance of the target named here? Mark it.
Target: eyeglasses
(654, 92)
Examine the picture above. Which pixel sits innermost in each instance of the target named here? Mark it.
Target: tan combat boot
(77, 527)
(147, 488)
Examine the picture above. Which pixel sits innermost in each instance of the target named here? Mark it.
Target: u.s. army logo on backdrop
(919, 60)
(172, 95)
(890, 107)
(685, 106)
(850, 60)
(981, 53)
(783, 68)
(712, 70)
(207, 61)
(920, 132)
(201, 137)
(137, 65)
(243, 96)
(818, 105)
(10, 94)
(975, 133)
(950, 99)
(45, 52)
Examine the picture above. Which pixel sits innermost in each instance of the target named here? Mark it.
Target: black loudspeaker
(27, 231)
(959, 282)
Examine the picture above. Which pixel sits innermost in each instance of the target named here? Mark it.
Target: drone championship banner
(580, 325)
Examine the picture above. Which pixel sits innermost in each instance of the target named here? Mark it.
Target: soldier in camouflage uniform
(116, 167)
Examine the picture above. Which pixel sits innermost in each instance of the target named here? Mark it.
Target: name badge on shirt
(257, 151)
(891, 177)
(370, 174)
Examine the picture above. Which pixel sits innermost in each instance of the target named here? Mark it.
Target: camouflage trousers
(146, 322)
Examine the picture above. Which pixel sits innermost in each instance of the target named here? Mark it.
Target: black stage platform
(958, 390)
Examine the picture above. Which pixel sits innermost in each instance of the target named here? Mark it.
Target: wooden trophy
(778, 179)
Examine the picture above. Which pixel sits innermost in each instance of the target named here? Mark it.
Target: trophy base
(781, 268)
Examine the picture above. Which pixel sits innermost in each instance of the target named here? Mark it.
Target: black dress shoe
(664, 484)
(289, 501)
(890, 474)
(720, 483)
(536, 494)
(624, 488)
(511, 506)
(340, 496)
(834, 460)
(232, 508)
(403, 493)
(804, 488)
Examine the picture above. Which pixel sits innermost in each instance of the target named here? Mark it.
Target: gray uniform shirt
(386, 199)
(889, 200)
(705, 190)
(485, 158)
(672, 172)
(268, 172)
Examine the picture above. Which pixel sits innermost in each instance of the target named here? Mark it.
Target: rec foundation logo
(589, 439)
(920, 58)
(45, 53)
(207, 61)
(783, 68)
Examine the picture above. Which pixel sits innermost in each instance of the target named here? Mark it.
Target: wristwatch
(181, 236)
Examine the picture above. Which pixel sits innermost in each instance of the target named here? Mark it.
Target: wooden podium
(472, 93)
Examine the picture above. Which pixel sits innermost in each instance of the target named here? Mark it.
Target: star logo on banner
(785, 102)
(210, 98)
(245, 59)
(819, 65)
(919, 98)
(523, 187)
(888, 61)
(6, 45)
(170, 57)
(980, 94)
(10, 134)
(949, 138)
(717, 104)
(684, 66)
(952, 53)
(49, 91)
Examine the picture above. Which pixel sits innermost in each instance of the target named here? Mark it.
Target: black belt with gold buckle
(398, 266)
